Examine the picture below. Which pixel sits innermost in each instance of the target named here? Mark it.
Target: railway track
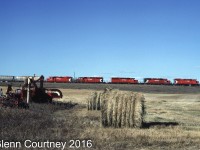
(128, 87)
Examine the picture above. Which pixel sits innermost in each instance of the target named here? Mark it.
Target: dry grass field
(172, 122)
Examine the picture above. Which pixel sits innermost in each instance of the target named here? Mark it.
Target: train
(125, 80)
(113, 80)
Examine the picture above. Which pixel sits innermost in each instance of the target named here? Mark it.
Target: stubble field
(172, 122)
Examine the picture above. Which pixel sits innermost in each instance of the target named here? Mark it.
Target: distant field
(168, 89)
(172, 120)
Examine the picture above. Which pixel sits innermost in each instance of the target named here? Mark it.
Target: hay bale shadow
(147, 125)
(64, 105)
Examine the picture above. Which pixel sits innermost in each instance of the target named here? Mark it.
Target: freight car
(90, 80)
(121, 80)
(20, 78)
(157, 81)
(7, 78)
(23, 78)
(59, 79)
(191, 82)
(16, 78)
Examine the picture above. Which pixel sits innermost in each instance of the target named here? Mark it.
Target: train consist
(113, 80)
(122, 80)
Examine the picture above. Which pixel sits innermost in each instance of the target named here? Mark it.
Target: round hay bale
(131, 121)
(104, 106)
(138, 110)
(104, 110)
(115, 107)
(124, 105)
(110, 107)
(128, 108)
(122, 109)
(119, 110)
(94, 102)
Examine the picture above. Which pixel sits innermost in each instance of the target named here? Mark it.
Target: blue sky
(127, 38)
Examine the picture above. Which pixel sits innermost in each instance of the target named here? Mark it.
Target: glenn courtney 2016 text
(31, 144)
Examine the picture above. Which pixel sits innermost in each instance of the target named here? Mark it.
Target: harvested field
(172, 121)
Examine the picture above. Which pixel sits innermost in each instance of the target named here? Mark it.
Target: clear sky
(127, 38)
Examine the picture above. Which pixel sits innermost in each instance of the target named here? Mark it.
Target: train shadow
(147, 125)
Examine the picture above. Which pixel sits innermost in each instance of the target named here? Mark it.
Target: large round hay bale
(139, 110)
(119, 110)
(122, 108)
(106, 107)
(94, 102)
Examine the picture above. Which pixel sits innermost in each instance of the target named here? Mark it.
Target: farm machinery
(29, 92)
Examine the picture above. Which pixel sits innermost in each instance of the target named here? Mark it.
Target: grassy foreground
(169, 125)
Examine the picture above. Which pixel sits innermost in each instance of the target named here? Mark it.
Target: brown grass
(20, 124)
(172, 122)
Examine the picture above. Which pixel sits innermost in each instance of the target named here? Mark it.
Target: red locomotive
(179, 81)
(158, 81)
(59, 79)
(121, 80)
(124, 80)
(90, 80)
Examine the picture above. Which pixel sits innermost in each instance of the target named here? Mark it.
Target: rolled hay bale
(94, 102)
(106, 107)
(132, 108)
(119, 110)
(139, 110)
(124, 105)
(122, 109)
(104, 110)
(128, 109)
(111, 107)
